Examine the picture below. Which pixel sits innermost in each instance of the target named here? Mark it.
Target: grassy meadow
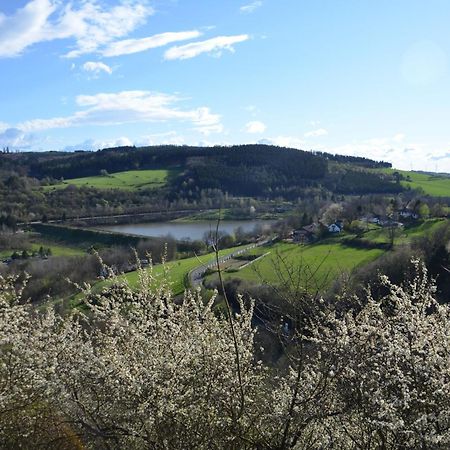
(131, 180)
(35, 243)
(177, 271)
(434, 185)
(403, 235)
(317, 265)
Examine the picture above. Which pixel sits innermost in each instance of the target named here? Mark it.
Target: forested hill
(81, 164)
(250, 170)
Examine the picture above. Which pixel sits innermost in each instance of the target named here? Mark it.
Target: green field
(56, 249)
(131, 180)
(177, 271)
(435, 185)
(404, 235)
(318, 265)
(438, 186)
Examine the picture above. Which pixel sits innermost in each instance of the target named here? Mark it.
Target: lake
(185, 230)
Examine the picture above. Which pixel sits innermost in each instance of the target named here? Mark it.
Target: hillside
(437, 185)
(129, 180)
(135, 180)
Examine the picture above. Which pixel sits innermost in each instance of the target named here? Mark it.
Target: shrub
(139, 371)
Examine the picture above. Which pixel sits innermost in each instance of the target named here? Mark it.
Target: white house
(409, 214)
(334, 228)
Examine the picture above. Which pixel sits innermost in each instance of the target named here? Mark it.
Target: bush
(140, 371)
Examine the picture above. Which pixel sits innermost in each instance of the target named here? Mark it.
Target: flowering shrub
(138, 371)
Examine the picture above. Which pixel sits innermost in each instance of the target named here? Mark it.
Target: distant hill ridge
(116, 159)
(248, 170)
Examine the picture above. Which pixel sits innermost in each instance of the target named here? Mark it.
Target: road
(195, 276)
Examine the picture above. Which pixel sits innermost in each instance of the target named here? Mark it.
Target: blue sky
(357, 77)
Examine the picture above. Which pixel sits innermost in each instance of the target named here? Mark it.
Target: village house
(306, 234)
(334, 228)
(408, 214)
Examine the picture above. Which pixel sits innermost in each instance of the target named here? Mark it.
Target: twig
(230, 319)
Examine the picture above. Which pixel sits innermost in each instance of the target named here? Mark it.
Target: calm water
(179, 230)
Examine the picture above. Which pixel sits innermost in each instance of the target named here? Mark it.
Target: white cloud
(129, 46)
(252, 109)
(316, 133)
(92, 27)
(210, 129)
(95, 144)
(213, 45)
(16, 139)
(97, 67)
(402, 155)
(284, 141)
(251, 7)
(399, 137)
(89, 25)
(168, 138)
(129, 107)
(255, 127)
(406, 156)
(25, 27)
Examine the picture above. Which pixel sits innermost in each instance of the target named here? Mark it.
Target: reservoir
(194, 230)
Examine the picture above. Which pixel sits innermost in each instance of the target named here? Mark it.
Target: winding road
(195, 276)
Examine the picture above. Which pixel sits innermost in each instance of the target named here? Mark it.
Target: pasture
(435, 185)
(176, 272)
(316, 266)
(404, 235)
(132, 180)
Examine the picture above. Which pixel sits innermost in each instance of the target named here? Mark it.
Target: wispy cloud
(89, 25)
(403, 155)
(167, 138)
(95, 144)
(399, 137)
(439, 157)
(252, 109)
(255, 127)
(25, 27)
(16, 139)
(97, 67)
(251, 7)
(129, 107)
(129, 46)
(284, 141)
(316, 133)
(94, 27)
(213, 46)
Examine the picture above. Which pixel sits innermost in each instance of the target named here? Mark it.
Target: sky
(356, 77)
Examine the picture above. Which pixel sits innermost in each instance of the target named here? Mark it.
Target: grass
(35, 244)
(435, 185)
(318, 264)
(177, 272)
(438, 186)
(405, 235)
(5, 253)
(325, 261)
(132, 180)
(57, 249)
